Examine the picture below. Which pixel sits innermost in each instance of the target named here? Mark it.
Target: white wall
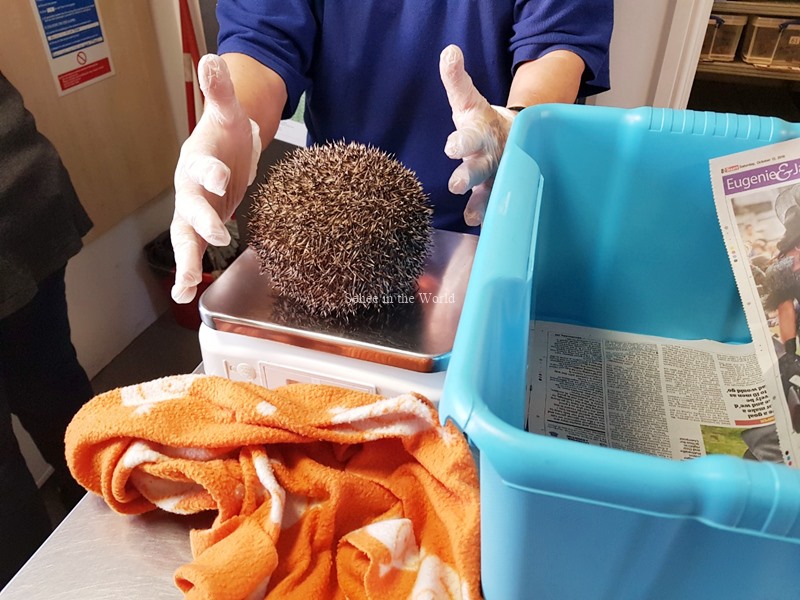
(655, 47)
(111, 292)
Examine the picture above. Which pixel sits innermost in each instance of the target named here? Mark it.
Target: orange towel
(320, 492)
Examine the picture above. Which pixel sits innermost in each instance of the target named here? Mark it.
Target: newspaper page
(653, 395)
(757, 197)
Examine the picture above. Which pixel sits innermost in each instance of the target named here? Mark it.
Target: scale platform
(251, 333)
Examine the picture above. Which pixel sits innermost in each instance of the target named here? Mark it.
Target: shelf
(742, 69)
(763, 9)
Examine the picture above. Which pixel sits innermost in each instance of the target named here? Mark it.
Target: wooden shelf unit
(739, 68)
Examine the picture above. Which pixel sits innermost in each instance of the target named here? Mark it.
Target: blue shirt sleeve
(370, 67)
(280, 34)
(581, 26)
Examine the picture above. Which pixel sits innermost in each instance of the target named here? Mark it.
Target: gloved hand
(479, 138)
(216, 164)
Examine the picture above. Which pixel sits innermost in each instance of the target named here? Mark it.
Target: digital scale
(250, 333)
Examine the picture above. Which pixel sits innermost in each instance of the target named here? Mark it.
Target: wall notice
(77, 48)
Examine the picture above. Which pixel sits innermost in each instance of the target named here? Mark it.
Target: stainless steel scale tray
(417, 336)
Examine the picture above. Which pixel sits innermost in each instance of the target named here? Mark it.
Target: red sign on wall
(83, 74)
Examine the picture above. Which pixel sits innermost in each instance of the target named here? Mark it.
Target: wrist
(507, 113)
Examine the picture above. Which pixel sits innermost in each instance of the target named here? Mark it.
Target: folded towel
(320, 492)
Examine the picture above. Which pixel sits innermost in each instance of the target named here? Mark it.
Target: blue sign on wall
(69, 25)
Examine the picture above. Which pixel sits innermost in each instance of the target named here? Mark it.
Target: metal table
(96, 553)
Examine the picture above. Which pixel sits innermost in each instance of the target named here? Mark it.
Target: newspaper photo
(670, 398)
(757, 197)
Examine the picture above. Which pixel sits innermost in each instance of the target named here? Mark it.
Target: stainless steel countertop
(96, 553)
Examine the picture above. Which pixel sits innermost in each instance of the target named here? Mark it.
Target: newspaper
(671, 398)
(757, 196)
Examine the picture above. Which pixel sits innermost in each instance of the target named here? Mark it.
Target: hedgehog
(342, 229)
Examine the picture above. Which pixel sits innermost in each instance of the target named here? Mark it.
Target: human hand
(479, 138)
(216, 164)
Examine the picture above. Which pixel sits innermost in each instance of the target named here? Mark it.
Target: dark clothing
(39, 371)
(781, 283)
(43, 384)
(41, 381)
(41, 219)
(370, 69)
(24, 524)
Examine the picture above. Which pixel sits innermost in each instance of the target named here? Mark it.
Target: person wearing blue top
(368, 71)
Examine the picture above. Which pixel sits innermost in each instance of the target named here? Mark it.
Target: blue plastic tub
(605, 217)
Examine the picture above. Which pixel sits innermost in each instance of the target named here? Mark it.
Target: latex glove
(479, 138)
(216, 165)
